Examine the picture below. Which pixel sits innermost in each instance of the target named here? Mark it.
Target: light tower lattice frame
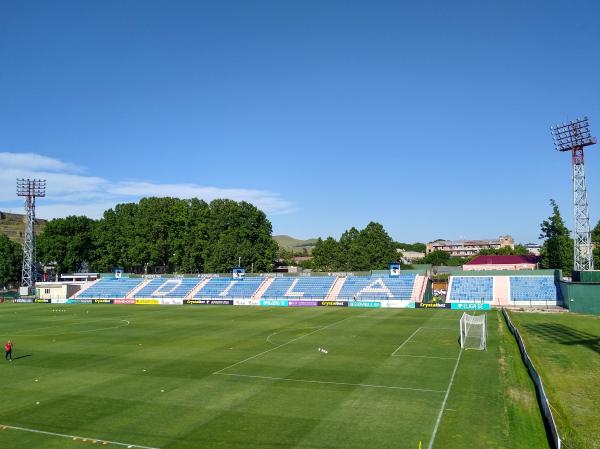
(30, 189)
(574, 137)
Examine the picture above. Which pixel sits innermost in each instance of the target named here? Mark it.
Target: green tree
(519, 250)
(325, 255)
(596, 243)
(370, 248)
(557, 250)
(10, 261)
(67, 242)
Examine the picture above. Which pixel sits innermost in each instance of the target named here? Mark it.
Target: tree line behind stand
(167, 235)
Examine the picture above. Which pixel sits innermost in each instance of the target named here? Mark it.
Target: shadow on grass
(22, 356)
(565, 335)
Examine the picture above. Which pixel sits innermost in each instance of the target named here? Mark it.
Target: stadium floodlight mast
(574, 137)
(30, 189)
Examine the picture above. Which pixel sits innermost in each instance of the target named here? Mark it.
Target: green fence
(581, 297)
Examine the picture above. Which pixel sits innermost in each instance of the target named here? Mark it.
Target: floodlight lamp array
(31, 187)
(572, 135)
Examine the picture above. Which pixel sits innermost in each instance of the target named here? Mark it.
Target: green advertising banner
(470, 306)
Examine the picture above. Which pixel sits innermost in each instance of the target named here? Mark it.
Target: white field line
(287, 379)
(424, 357)
(127, 323)
(273, 334)
(280, 346)
(439, 418)
(75, 437)
(406, 341)
(440, 328)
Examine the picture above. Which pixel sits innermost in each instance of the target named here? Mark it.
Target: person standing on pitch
(8, 349)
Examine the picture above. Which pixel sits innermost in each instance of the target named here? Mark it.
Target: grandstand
(111, 288)
(168, 288)
(228, 288)
(532, 288)
(471, 289)
(309, 287)
(377, 288)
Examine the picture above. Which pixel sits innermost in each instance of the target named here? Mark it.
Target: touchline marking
(406, 341)
(287, 379)
(439, 418)
(62, 435)
(424, 356)
(280, 346)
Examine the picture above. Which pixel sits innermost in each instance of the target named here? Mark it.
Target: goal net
(473, 331)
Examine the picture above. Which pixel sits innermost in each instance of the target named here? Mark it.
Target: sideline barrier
(470, 306)
(542, 398)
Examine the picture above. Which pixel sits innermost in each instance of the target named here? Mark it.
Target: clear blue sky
(430, 117)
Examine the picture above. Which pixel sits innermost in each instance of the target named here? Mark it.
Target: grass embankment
(565, 349)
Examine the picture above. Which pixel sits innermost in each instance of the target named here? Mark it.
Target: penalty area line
(406, 341)
(281, 345)
(439, 418)
(76, 437)
(325, 382)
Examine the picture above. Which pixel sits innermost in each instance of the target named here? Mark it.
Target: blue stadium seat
(168, 288)
(377, 287)
(307, 287)
(472, 288)
(533, 288)
(111, 288)
(230, 288)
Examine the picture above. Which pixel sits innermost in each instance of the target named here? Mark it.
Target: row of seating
(533, 288)
(377, 287)
(316, 287)
(111, 288)
(521, 288)
(308, 287)
(472, 288)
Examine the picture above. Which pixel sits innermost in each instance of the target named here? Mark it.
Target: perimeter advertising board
(274, 302)
(470, 306)
(441, 305)
(365, 304)
(209, 302)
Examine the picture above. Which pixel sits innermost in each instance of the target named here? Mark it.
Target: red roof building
(528, 262)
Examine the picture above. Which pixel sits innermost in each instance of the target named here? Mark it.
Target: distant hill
(290, 243)
(13, 226)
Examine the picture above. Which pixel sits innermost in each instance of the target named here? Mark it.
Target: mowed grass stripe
(94, 383)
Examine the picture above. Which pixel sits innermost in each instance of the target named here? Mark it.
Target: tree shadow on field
(565, 335)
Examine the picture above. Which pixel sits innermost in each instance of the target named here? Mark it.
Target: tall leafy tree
(557, 250)
(596, 243)
(10, 261)
(368, 249)
(66, 242)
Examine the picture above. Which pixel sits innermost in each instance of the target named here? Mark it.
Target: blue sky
(430, 117)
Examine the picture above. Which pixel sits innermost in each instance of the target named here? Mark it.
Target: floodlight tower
(574, 137)
(30, 189)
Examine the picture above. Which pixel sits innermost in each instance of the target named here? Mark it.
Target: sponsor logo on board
(470, 306)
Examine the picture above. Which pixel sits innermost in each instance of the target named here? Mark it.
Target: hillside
(290, 243)
(13, 226)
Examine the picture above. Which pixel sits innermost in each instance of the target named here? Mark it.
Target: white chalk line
(324, 382)
(424, 356)
(406, 341)
(281, 345)
(439, 418)
(127, 323)
(63, 435)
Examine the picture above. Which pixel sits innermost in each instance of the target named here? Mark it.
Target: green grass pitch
(565, 349)
(253, 378)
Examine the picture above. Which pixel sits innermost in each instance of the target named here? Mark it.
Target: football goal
(473, 331)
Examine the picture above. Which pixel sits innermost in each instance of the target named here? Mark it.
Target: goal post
(473, 331)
